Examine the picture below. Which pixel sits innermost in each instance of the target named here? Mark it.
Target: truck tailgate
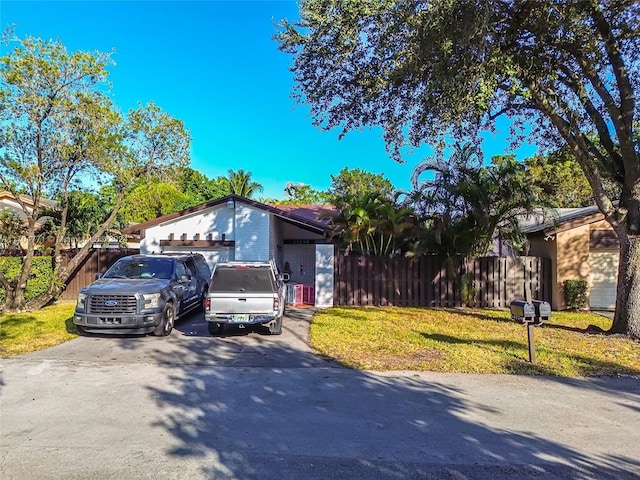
(233, 303)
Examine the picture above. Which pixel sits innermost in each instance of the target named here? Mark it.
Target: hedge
(40, 276)
(575, 294)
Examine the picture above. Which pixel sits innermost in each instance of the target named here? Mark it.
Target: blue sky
(215, 66)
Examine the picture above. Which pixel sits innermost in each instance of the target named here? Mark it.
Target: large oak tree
(425, 70)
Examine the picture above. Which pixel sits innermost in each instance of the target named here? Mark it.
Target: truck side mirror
(98, 276)
(285, 277)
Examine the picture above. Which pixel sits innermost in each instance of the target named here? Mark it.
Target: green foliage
(575, 294)
(240, 183)
(563, 72)
(351, 187)
(467, 290)
(40, 275)
(561, 179)
(149, 201)
(301, 194)
(374, 226)
(154, 147)
(60, 128)
(466, 205)
(86, 212)
(198, 188)
(12, 228)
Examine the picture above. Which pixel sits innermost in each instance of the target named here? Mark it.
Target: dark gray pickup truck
(143, 294)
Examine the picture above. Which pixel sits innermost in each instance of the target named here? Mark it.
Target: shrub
(575, 294)
(40, 276)
(467, 291)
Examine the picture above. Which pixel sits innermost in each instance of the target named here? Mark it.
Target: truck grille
(112, 304)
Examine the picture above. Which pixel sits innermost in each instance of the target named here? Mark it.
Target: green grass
(27, 332)
(439, 340)
(470, 341)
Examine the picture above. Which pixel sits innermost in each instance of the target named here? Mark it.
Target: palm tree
(374, 226)
(240, 183)
(466, 205)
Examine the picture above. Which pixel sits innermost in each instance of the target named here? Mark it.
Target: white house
(237, 228)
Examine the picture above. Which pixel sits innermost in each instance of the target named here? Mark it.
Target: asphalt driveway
(249, 405)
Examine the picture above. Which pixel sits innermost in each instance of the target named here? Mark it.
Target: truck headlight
(82, 300)
(151, 300)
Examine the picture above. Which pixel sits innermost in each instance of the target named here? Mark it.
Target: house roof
(304, 216)
(309, 212)
(560, 219)
(9, 200)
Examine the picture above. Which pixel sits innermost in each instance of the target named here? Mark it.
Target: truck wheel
(167, 321)
(215, 328)
(275, 327)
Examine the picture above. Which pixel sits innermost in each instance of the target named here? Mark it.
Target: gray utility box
(522, 311)
(543, 310)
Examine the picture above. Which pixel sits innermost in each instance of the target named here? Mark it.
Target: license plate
(240, 318)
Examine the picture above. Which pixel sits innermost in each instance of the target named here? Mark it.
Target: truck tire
(275, 327)
(215, 328)
(166, 323)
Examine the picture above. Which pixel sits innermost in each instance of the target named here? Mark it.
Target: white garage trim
(603, 276)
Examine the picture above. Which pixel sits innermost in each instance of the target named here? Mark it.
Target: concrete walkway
(253, 406)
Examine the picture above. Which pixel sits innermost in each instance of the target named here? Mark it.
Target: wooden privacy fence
(433, 281)
(98, 261)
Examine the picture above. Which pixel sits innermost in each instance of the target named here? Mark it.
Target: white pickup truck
(245, 293)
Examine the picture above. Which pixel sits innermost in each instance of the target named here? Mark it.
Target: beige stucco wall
(601, 225)
(573, 259)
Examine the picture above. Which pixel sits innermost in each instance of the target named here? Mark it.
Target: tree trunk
(62, 273)
(627, 316)
(15, 300)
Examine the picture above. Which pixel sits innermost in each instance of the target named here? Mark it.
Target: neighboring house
(236, 228)
(581, 245)
(8, 201)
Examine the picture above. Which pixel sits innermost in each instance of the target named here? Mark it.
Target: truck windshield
(137, 268)
(241, 279)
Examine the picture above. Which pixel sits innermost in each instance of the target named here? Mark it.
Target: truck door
(190, 287)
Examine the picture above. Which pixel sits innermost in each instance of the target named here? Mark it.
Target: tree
(561, 179)
(467, 206)
(351, 186)
(198, 188)
(302, 194)
(240, 183)
(374, 226)
(60, 130)
(147, 201)
(425, 70)
(86, 212)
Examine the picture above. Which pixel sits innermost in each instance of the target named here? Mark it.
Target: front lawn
(439, 340)
(469, 341)
(31, 331)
